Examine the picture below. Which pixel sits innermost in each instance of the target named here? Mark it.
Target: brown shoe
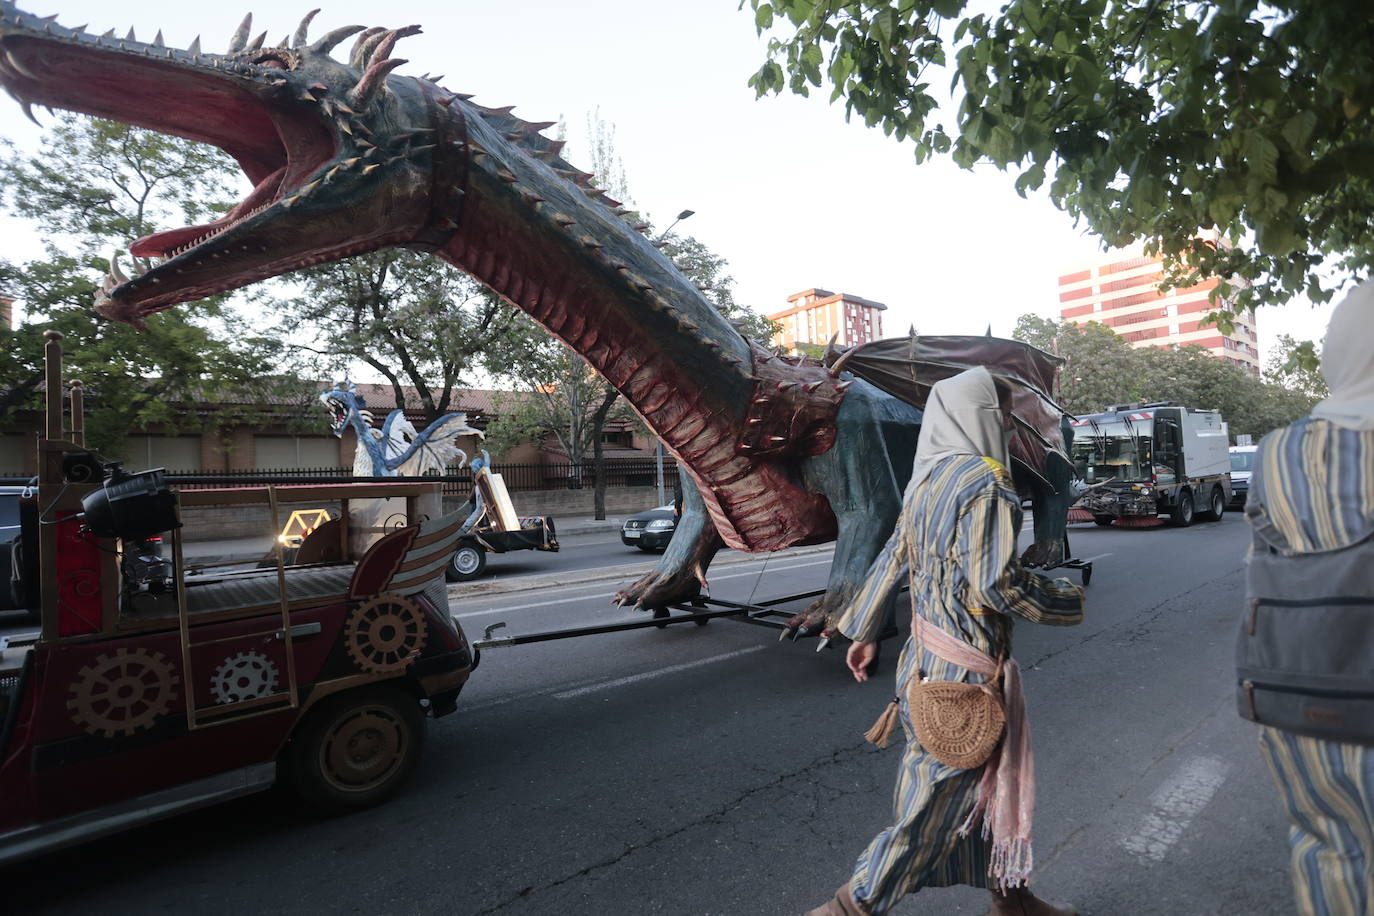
(1019, 901)
(842, 904)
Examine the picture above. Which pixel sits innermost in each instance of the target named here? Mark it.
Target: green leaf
(763, 17)
(1262, 157)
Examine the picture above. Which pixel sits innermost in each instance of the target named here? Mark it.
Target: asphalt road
(713, 770)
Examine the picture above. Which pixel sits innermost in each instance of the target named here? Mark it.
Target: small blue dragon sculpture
(397, 449)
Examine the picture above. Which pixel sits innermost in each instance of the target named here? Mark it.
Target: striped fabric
(955, 541)
(1328, 790)
(1314, 481)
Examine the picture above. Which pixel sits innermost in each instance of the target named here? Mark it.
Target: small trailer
(1140, 461)
(492, 526)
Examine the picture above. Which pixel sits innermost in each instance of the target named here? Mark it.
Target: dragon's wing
(436, 447)
(397, 435)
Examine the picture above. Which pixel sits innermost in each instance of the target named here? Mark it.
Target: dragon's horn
(299, 38)
(240, 39)
(330, 39)
(372, 82)
(356, 58)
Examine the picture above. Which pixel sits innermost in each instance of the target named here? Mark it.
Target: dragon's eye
(273, 60)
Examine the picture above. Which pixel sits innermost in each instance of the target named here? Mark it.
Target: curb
(604, 573)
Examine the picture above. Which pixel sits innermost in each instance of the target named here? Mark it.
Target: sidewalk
(234, 550)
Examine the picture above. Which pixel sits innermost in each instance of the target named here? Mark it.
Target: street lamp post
(658, 448)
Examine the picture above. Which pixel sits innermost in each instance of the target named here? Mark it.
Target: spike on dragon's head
(312, 134)
(343, 402)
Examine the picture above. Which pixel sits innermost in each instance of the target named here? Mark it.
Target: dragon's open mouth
(288, 133)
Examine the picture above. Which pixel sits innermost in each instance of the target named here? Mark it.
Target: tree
(560, 396)
(1101, 369)
(1151, 120)
(707, 270)
(94, 186)
(1293, 364)
(411, 318)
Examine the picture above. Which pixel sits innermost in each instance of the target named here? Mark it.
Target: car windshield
(1112, 451)
(1242, 461)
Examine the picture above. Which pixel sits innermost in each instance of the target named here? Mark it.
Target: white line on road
(672, 669)
(553, 601)
(1098, 557)
(1174, 805)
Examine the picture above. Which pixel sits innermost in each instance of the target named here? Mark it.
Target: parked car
(650, 530)
(1242, 463)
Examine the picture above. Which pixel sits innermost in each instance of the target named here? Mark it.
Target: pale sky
(791, 195)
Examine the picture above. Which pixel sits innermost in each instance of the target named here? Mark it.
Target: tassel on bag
(881, 732)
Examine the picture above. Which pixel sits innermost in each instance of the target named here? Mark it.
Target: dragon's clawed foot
(816, 620)
(1044, 554)
(655, 589)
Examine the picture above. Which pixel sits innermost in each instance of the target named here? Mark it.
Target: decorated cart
(135, 702)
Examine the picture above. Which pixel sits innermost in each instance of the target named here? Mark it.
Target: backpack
(1305, 652)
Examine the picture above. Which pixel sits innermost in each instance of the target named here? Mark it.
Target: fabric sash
(1006, 793)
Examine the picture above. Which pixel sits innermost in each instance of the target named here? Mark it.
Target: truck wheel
(1104, 520)
(467, 562)
(355, 749)
(1183, 509)
(1218, 506)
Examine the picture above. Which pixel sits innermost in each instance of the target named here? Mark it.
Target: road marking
(553, 601)
(1098, 557)
(660, 672)
(1174, 805)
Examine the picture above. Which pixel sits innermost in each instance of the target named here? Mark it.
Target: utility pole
(658, 447)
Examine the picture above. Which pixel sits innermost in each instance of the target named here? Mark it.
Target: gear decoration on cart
(385, 634)
(121, 693)
(246, 676)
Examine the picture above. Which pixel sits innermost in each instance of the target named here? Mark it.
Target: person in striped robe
(1314, 482)
(955, 542)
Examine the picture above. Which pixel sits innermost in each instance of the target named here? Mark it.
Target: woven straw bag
(957, 724)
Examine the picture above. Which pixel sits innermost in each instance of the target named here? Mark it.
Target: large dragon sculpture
(346, 156)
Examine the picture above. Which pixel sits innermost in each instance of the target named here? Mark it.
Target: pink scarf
(1006, 793)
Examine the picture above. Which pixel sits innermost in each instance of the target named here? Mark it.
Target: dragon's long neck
(583, 273)
(369, 460)
(530, 227)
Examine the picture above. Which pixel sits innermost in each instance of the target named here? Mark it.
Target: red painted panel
(78, 580)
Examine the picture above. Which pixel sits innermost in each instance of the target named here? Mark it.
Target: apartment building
(814, 316)
(1121, 290)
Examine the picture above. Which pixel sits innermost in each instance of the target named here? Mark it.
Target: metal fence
(620, 472)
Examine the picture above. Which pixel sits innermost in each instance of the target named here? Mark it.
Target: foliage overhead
(94, 187)
(1101, 368)
(1149, 119)
(411, 318)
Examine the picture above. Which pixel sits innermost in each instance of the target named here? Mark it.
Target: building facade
(814, 316)
(1121, 290)
(283, 436)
